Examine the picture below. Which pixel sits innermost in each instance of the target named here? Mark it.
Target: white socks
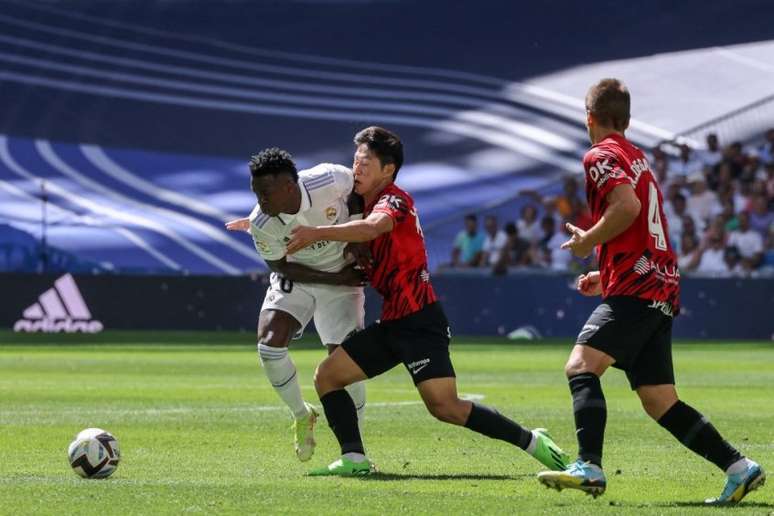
(281, 372)
(357, 393)
(532, 444)
(354, 456)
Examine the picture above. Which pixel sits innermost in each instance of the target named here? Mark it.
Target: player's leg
(339, 312)
(653, 379)
(356, 391)
(583, 369)
(286, 310)
(442, 401)
(363, 355)
(612, 335)
(422, 341)
(275, 330)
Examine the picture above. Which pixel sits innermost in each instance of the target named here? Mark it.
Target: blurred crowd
(718, 201)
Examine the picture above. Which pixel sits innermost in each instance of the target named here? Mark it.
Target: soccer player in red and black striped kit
(413, 329)
(631, 329)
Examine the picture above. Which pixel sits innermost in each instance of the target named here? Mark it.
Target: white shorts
(337, 310)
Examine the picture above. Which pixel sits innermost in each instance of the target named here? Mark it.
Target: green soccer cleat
(303, 432)
(548, 453)
(584, 476)
(739, 485)
(344, 467)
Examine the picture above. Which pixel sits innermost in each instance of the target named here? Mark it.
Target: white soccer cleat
(303, 430)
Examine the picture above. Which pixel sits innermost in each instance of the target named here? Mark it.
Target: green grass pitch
(202, 432)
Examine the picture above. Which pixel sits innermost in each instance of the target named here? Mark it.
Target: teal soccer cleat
(739, 485)
(584, 476)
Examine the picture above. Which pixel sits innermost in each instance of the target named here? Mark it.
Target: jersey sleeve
(269, 247)
(394, 205)
(604, 172)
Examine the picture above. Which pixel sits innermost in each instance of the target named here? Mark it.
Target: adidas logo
(59, 309)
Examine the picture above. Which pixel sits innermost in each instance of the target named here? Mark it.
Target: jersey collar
(306, 200)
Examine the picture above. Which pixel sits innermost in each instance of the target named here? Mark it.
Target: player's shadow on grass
(387, 477)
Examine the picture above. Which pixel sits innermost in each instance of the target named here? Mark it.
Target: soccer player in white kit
(319, 281)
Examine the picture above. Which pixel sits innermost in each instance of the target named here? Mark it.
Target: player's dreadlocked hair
(609, 101)
(272, 161)
(385, 144)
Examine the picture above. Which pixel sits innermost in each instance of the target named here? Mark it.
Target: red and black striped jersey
(640, 262)
(400, 272)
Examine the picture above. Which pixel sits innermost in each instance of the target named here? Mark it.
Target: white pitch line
(192, 410)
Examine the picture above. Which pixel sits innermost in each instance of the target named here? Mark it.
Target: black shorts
(420, 341)
(637, 333)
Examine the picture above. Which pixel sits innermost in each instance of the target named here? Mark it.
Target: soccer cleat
(548, 453)
(584, 476)
(737, 486)
(344, 467)
(303, 432)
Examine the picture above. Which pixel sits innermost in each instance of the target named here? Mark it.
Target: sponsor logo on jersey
(668, 274)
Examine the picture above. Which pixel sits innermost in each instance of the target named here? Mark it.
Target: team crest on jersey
(262, 246)
(331, 212)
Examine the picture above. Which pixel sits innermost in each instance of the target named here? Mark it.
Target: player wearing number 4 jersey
(413, 329)
(632, 328)
(318, 281)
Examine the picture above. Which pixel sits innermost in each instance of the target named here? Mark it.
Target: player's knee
(273, 338)
(575, 366)
(321, 380)
(447, 411)
(656, 402)
(325, 380)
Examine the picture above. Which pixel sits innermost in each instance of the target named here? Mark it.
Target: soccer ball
(94, 453)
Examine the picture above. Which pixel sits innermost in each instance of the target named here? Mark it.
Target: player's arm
(359, 251)
(302, 274)
(622, 210)
(377, 223)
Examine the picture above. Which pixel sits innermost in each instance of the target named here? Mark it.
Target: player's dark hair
(385, 144)
(272, 161)
(610, 103)
(471, 216)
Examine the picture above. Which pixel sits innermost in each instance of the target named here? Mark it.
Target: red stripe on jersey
(400, 271)
(640, 262)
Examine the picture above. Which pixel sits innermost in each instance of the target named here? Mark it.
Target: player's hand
(578, 244)
(352, 276)
(301, 237)
(238, 225)
(361, 253)
(590, 284)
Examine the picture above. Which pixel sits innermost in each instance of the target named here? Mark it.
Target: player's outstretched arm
(242, 224)
(356, 231)
(302, 274)
(623, 208)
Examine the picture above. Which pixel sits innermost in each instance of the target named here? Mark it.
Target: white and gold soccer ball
(94, 453)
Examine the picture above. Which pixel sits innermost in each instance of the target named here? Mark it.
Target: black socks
(697, 434)
(342, 418)
(590, 410)
(491, 423)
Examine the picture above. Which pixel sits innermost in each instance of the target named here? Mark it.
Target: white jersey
(324, 192)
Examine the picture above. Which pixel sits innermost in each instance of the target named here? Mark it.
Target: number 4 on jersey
(655, 228)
